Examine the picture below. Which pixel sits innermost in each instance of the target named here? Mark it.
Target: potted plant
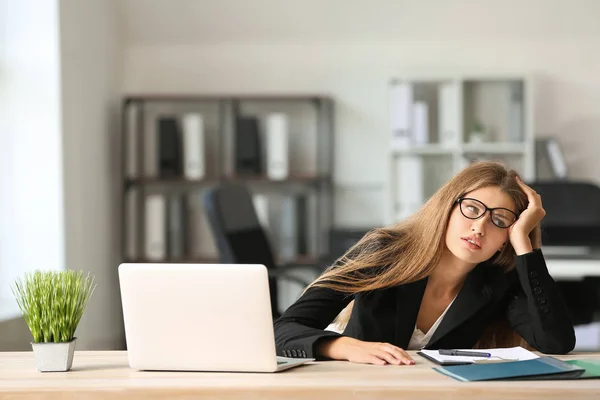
(478, 133)
(52, 303)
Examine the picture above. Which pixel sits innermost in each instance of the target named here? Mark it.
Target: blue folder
(543, 368)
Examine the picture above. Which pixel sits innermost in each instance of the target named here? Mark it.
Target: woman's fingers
(385, 355)
(524, 186)
(375, 360)
(392, 354)
(532, 195)
(376, 353)
(408, 360)
(535, 201)
(399, 354)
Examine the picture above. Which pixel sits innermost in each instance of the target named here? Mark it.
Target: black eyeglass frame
(486, 209)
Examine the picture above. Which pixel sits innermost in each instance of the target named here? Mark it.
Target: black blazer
(527, 296)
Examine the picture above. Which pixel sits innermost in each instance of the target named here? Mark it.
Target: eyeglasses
(475, 209)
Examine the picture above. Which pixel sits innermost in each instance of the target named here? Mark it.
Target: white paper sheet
(498, 355)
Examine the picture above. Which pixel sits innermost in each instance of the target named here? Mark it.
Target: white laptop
(199, 317)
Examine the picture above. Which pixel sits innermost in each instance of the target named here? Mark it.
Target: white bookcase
(439, 124)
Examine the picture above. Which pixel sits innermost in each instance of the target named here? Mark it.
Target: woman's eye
(500, 222)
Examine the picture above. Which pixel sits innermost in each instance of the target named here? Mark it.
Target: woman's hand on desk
(357, 351)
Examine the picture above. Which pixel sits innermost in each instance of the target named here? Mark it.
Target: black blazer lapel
(474, 294)
(409, 302)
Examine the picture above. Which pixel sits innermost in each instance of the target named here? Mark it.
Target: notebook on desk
(540, 368)
(592, 368)
(497, 355)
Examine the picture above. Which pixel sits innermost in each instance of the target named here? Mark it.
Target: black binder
(248, 159)
(170, 148)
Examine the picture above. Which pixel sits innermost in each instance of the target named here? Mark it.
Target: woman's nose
(478, 225)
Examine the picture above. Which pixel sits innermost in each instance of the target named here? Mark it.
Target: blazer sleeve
(536, 309)
(301, 327)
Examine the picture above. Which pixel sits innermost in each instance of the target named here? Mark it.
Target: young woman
(465, 271)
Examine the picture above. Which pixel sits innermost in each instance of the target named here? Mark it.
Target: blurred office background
(78, 76)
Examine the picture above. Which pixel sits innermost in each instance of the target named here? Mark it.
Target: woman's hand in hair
(528, 220)
(357, 351)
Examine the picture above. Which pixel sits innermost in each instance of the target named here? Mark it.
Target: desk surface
(572, 269)
(98, 374)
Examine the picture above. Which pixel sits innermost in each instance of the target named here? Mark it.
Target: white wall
(31, 200)
(274, 21)
(91, 72)
(351, 50)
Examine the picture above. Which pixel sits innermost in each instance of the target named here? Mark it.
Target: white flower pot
(54, 357)
(477, 137)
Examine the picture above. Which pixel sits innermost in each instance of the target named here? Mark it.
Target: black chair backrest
(240, 237)
(237, 231)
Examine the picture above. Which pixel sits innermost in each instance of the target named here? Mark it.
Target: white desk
(572, 269)
(106, 375)
(572, 263)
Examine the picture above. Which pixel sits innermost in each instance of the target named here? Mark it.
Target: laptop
(199, 317)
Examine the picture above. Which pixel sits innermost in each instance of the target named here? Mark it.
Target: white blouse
(419, 339)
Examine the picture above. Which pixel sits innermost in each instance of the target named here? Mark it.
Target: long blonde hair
(411, 249)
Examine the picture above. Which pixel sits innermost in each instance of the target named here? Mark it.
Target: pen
(464, 353)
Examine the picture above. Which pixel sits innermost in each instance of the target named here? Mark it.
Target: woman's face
(477, 240)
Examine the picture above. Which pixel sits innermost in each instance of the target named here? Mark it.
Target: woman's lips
(471, 245)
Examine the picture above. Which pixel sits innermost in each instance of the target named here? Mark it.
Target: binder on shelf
(132, 224)
(177, 248)
(247, 146)
(150, 143)
(193, 146)
(449, 113)
(313, 225)
(516, 111)
(132, 140)
(288, 229)
(420, 122)
(170, 148)
(277, 145)
(302, 226)
(275, 223)
(401, 100)
(155, 215)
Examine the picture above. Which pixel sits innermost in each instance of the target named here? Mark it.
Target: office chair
(241, 239)
(573, 219)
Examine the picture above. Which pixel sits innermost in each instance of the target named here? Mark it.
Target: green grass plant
(52, 303)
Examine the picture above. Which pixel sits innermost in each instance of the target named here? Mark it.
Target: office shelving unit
(310, 169)
(441, 123)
